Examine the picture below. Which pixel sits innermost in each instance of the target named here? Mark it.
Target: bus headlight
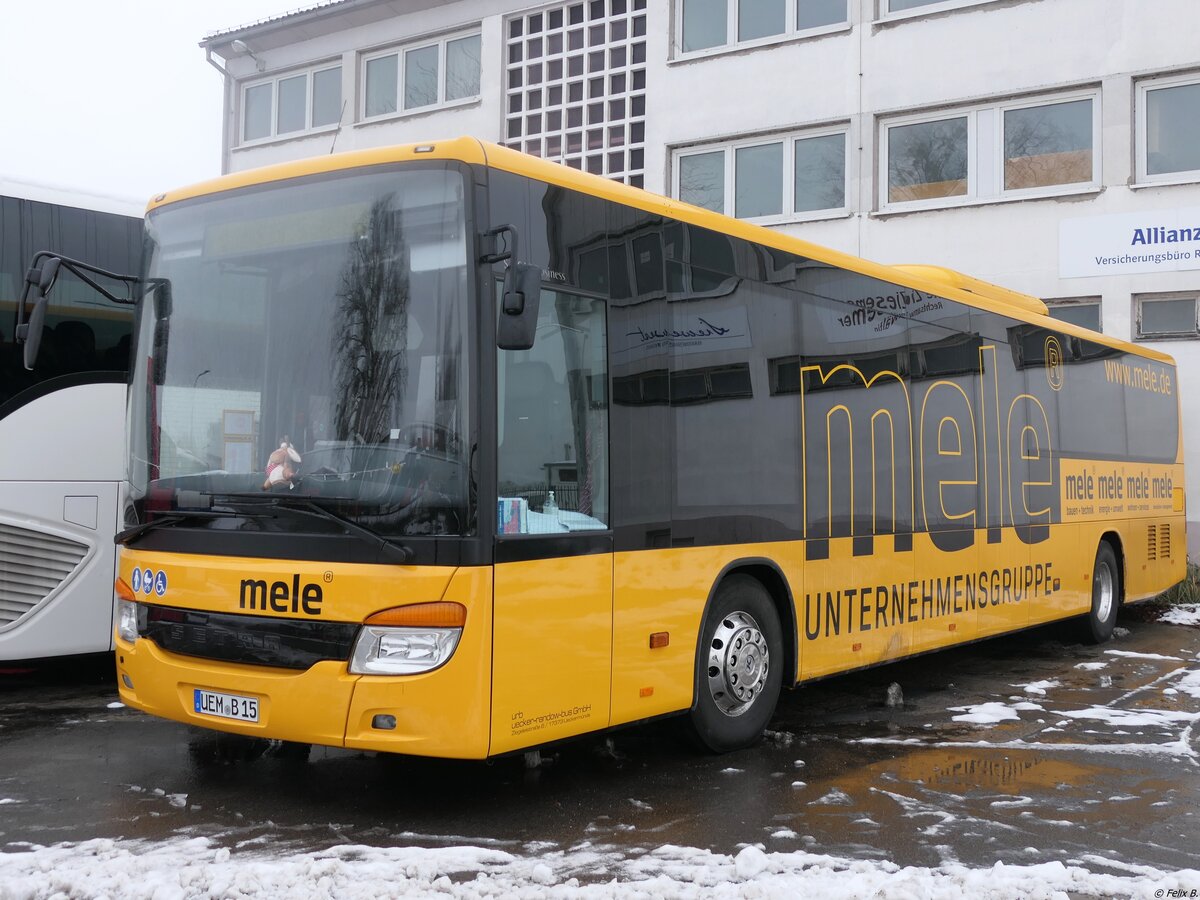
(402, 651)
(127, 621)
(409, 639)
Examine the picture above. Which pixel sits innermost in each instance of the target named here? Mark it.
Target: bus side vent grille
(1164, 542)
(32, 564)
(1151, 542)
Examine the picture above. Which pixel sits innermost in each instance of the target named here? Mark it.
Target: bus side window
(553, 423)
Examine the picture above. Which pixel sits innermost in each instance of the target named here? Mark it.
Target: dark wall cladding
(759, 395)
(85, 335)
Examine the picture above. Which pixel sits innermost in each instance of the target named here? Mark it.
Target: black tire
(739, 667)
(1098, 624)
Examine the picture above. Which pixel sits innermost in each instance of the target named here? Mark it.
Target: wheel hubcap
(738, 663)
(1105, 591)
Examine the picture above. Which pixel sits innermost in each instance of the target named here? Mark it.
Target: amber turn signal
(441, 614)
(124, 591)
(660, 639)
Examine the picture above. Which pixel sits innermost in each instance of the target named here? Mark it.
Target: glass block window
(575, 86)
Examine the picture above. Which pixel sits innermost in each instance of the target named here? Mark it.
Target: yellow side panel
(942, 607)
(854, 611)
(1155, 554)
(552, 649)
(1003, 601)
(441, 713)
(656, 591)
(666, 591)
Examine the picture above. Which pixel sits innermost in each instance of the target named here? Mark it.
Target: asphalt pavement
(1022, 749)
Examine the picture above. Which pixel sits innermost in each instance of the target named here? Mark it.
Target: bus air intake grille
(32, 565)
(1164, 542)
(1151, 543)
(253, 640)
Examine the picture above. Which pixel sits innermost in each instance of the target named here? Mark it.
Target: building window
(1169, 129)
(708, 24)
(292, 103)
(422, 77)
(1048, 145)
(794, 177)
(1041, 146)
(575, 86)
(900, 7)
(1081, 311)
(1165, 316)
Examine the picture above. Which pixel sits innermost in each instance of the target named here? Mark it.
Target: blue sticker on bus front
(147, 580)
(136, 579)
(160, 583)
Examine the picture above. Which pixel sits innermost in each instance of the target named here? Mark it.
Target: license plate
(225, 706)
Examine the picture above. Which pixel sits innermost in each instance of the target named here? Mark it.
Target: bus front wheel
(1106, 596)
(739, 667)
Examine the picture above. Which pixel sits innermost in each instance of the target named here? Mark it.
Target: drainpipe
(227, 107)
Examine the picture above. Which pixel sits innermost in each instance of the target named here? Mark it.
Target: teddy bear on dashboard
(283, 466)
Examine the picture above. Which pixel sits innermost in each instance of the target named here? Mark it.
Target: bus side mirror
(38, 282)
(519, 307)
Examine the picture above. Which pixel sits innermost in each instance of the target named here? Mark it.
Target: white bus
(62, 424)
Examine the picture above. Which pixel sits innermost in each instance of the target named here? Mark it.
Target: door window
(553, 422)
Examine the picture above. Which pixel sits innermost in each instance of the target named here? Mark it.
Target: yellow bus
(450, 451)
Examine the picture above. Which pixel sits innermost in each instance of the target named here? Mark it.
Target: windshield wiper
(174, 518)
(398, 552)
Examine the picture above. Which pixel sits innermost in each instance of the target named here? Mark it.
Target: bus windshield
(308, 340)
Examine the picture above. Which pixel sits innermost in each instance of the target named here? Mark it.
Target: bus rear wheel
(1100, 621)
(739, 667)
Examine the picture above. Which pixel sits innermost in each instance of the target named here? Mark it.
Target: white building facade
(1051, 146)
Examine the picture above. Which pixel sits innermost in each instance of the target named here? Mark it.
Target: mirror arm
(510, 245)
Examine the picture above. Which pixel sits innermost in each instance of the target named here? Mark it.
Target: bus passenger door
(552, 638)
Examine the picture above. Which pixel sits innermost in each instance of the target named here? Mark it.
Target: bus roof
(62, 195)
(930, 279)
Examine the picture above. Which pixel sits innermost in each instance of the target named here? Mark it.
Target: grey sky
(114, 96)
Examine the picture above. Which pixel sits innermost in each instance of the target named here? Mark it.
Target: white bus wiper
(399, 553)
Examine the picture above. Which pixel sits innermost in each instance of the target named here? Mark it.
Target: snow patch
(835, 797)
(1184, 614)
(1129, 654)
(1012, 804)
(1133, 717)
(985, 713)
(750, 862)
(1190, 684)
(1091, 666)
(1039, 687)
